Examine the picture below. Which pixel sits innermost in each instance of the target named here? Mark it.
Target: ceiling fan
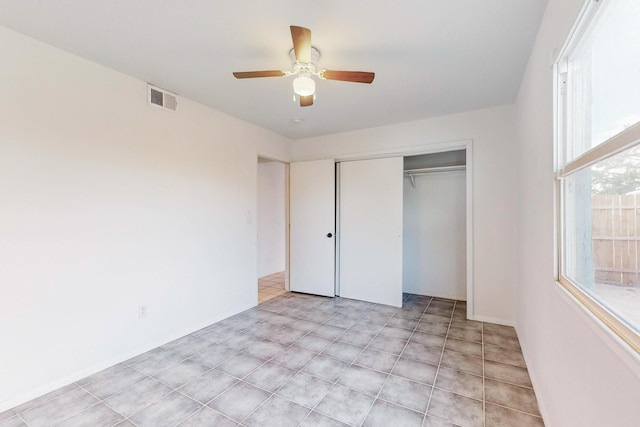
(304, 60)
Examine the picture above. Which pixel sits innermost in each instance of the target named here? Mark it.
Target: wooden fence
(616, 239)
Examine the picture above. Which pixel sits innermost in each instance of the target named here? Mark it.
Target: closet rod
(411, 173)
(435, 169)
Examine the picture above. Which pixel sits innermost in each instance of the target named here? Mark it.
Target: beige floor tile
(457, 409)
(498, 416)
(424, 357)
(512, 396)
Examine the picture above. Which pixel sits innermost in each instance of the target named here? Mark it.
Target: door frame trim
(336, 269)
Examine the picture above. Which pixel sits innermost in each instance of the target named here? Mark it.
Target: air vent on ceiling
(161, 98)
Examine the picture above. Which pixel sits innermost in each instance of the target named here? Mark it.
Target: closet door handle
(329, 235)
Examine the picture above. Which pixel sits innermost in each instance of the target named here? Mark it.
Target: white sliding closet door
(371, 230)
(312, 222)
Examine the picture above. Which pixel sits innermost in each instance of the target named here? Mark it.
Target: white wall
(271, 218)
(107, 204)
(494, 188)
(434, 241)
(582, 375)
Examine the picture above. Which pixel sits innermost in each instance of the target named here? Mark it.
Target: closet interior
(434, 243)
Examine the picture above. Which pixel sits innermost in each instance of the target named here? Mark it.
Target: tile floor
(270, 287)
(300, 360)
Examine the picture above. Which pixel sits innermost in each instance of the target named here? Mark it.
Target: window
(598, 164)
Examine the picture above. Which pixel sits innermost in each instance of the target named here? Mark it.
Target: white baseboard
(431, 294)
(495, 320)
(83, 373)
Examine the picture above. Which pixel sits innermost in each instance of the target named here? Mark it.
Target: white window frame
(616, 144)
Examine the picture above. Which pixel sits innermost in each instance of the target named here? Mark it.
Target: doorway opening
(434, 225)
(271, 224)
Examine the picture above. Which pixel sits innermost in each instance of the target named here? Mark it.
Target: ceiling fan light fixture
(304, 61)
(304, 86)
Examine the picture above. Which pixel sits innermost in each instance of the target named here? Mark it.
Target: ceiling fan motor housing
(305, 68)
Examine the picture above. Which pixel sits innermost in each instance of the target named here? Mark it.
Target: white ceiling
(431, 57)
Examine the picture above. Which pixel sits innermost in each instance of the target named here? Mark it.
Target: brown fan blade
(253, 74)
(301, 43)
(349, 76)
(306, 101)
